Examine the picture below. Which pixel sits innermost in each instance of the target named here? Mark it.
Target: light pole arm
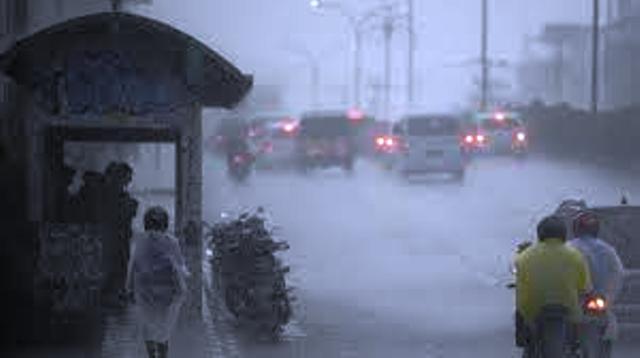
(356, 23)
(314, 69)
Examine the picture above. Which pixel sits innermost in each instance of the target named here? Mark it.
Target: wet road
(385, 268)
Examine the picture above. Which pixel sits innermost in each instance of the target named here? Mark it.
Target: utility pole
(357, 73)
(594, 56)
(388, 33)
(484, 59)
(315, 80)
(314, 73)
(411, 37)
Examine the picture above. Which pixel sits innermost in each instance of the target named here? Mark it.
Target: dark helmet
(156, 219)
(586, 224)
(552, 227)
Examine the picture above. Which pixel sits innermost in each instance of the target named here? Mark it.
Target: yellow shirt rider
(551, 273)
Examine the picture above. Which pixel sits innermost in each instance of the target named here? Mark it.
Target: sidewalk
(216, 339)
(121, 339)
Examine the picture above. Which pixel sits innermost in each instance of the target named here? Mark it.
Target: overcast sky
(266, 37)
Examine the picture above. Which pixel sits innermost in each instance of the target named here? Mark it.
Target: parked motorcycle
(250, 277)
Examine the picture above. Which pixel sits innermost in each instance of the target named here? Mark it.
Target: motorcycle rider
(236, 144)
(605, 266)
(549, 273)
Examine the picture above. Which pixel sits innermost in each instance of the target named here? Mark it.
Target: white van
(430, 144)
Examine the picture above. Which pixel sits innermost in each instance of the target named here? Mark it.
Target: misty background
(268, 38)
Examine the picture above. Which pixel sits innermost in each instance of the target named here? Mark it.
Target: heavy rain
(320, 178)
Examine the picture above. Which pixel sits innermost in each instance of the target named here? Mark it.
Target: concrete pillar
(189, 213)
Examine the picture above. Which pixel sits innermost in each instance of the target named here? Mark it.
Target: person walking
(157, 277)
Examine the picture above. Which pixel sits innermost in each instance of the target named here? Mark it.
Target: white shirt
(144, 255)
(607, 270)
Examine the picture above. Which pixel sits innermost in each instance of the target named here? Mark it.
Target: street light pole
(388, 33)
(314, 73)
(356, 22)
(484, 59)
(411, 37)
(315, 80)
(594, 56)
(357, 73)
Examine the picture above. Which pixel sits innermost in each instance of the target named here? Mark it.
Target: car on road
(387, 147)
(276, 144)
(498, 132)
(326, 139)
(430, 143)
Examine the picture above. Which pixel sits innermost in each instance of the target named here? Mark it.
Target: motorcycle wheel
(553, 340)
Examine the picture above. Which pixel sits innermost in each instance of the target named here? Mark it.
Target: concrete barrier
(610, 138)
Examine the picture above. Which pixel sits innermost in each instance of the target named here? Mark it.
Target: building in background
(625, 8)
(562, 74)
(621, 75)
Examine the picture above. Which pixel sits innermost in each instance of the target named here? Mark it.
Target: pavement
(387, 268)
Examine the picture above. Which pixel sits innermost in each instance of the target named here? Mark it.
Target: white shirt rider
(607, 272)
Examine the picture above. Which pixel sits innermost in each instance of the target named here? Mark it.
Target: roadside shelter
(116, 77)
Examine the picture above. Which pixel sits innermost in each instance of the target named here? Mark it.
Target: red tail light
(289, 127)
(386, 142)
(469, 139)
(596, 305)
